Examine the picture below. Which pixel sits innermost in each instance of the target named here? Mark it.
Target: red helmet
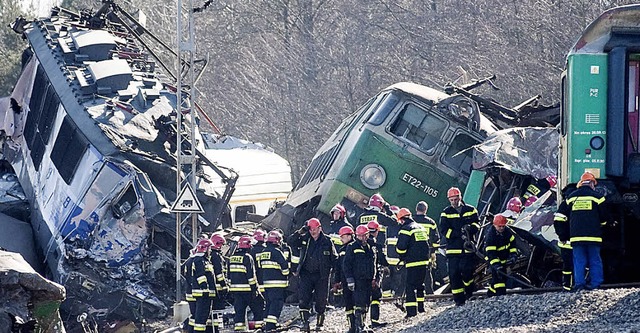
(514, 205)
(203, 246)
(454, 192)
(313, 223)
(553, 180)
(339, 208)
(244, 242)
(394, 209)
(373, 226)
(346, 230)
(274, 237)
(530, 200)
(259, 235)
(403, 212)
(376, 200)
(362, 230)
(499, 220)
(217, 241)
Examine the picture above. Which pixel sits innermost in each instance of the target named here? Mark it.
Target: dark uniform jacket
(537, 187)
(274, 267)
(339, 276)
(413, 245)
(584, 210)
(430, 226)
(242, 276)
(334, 228)
(187, 273)
(200, 276)
(499, 246)
(452, 223)
(388, 234)
(219, 270)
(359, 262)
(255, 251)
(316, 256)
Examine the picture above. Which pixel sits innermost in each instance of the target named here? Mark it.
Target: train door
(632, 105)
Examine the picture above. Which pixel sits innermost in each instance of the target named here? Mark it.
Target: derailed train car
(600, 129)
(90, 131)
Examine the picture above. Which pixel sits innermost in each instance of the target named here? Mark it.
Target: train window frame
(382, 109)
(119, 208)
(348, 123)
(563, 104)
(244, 210)
(68, 149)
(446, 160)
(429, 112)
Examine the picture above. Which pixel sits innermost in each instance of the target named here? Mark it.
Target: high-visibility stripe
(468, 283)
(417, 263)
(566, 272)
(375, 302)
(494, 261)
(295, 260)
(457, 291)
(420, 299)
(586, 239)
(199, 327)
(401, 251)
(220, 277)
(392, 241)
(271, 319)
(202, 279)
(590, 198)
(566, 245)
(450, 216)
(467, 214)
(491, 248)
(358, 251)
(454, 251)
(275, 284)
(500, 285)
(348, 312)
(405, 232)
(448, 233)
(393, 261)
(409, 304)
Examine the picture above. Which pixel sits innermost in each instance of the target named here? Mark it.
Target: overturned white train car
(90, 131)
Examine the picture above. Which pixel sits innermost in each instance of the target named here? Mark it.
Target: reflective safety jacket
(200, 276)
(584, 210)
(499, 246)
(537, 187)
(388, 234)
(186, 273)
(430, 226)
(255, 251)
(211, 277)
(359, 262)
(413, 244)
(274, 267)
(334, 228)
(242, 276)
(452, 223)
(219, 270)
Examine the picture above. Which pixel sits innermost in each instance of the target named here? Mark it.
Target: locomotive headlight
(373, 176)
(596, 142)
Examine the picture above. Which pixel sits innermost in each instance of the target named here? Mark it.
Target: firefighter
(339, 281)
(381, 264)
(200, 277)
(259, 245)
(317, 258)
(459, 223)
(430, 227)
(585, 213)
(501, 252)
(243, 285)
(338, 220)
(361, 275)
(514, 207)
(275, 271)
(413, 247)
(539, 186)
(220, 272)
(566, 251)
(187, 274)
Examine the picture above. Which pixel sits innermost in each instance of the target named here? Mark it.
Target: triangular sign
(187, 202)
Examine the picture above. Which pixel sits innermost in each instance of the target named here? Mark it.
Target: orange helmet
(244, 242)
(339, 208)
(514, 205)
(217, 240)
(346, 230)
(373, 226)
(313, 223)
(454, 192)
(259, 235)
(376, 200)
(587, 178)
(499, 220)
(362, 230)
(403, 212)
(203, 245)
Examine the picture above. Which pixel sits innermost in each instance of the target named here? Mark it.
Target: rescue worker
(514, 207)
(338, 220)
(339, 281)
(317, 258)
(359, 269)
(200, 289)
(243, 286)
(220, 272)
(459, 223)
(413, 247)
(430, 227)
(561, 227)
(500, 251)
(381, 264)
(584, 210)
(275, 271)
(258, 237)
(538, 187)
(187, 273)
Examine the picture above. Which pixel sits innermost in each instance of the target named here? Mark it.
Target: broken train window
(68, 149)
(458, 156)
(417, 125)
(127, 200)
(43, 108)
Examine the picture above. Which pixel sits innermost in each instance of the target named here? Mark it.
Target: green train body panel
(586, 114)
(409, 179)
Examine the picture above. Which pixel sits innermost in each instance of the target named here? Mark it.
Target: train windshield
(458, 156)
(417, 125)
(382, 111)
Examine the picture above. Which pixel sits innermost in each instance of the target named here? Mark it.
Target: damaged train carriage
(90, 132)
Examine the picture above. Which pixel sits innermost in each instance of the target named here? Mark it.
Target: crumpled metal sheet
(522, 150)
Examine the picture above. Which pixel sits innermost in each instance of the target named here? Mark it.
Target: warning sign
(187, 202)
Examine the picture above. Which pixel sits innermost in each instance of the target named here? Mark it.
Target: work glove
(433, 260)
(336, 286)
(351, 284)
